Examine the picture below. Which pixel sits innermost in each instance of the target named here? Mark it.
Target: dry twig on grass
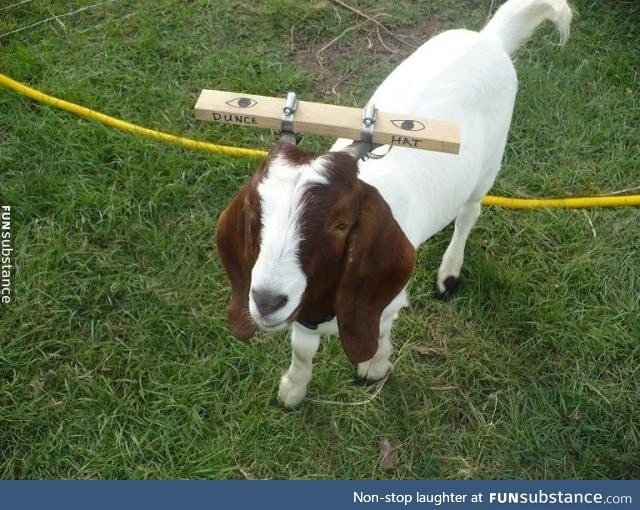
(371, 18)
(56, 18)
(340, 36)
(14, 5)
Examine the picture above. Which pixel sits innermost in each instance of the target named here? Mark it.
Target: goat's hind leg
(293, 385)
(449, 272)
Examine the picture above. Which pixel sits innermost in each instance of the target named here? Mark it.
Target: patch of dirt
(335, 63)
(388, 454)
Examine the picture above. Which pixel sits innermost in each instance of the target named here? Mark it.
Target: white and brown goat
(326, 243)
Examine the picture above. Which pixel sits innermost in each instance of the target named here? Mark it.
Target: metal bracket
(368, 121)
(288, 109)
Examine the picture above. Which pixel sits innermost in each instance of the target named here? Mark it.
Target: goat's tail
(515, 21)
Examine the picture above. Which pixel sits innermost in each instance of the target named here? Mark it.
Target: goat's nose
(268, 302)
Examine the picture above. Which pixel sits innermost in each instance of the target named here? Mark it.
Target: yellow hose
(562, 203)
(511, 203)
(87, 113)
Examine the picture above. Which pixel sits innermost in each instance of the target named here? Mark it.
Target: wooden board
(328, 120)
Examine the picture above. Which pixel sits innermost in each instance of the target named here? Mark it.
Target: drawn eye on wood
(409, 125)
(242, 102)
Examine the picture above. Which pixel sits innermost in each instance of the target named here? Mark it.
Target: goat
(327, 243)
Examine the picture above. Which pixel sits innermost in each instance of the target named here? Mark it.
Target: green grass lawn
(115, 357)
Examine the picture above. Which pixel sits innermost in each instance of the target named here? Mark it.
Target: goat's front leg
(293, 385)
(379, 366)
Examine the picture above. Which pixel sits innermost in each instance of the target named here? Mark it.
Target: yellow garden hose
(563, 203)
(511, 203)
(87, 113)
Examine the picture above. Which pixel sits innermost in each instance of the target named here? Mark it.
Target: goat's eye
(341, 226)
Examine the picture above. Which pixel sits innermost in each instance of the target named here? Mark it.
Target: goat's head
(306, 239)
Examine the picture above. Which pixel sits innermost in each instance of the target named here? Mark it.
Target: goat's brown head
(306, 239)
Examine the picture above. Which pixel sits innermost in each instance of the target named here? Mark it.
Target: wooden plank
(328, 120)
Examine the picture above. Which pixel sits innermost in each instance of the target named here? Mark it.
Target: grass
(115, 357)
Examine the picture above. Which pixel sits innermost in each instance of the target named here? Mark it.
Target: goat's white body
(468, 78)
(462, 76)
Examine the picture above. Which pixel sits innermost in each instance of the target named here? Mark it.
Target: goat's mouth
(276, 325)
(265, 326)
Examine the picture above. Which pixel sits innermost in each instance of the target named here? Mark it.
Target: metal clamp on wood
(368, 121)
(288, 109)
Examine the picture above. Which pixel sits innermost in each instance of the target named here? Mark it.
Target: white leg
(378, 366)
(293, 385)
(449, 272)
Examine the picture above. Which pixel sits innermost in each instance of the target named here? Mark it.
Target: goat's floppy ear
(379, 262)
(236, 244)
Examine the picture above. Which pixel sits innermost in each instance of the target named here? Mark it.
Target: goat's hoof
(448, 287)
(289, 394)
(369, 373)
(363, 381)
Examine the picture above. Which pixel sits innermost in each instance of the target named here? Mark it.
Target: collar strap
(314, 325)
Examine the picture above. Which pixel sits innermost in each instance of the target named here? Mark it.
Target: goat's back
(460, 76)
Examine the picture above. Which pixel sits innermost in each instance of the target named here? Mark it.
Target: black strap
(314, 325)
